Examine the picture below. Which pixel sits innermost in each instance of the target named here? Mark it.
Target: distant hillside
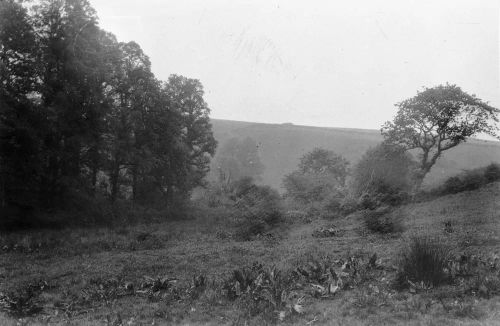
(281, 146)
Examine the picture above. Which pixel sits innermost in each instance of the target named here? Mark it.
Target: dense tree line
(81, 114)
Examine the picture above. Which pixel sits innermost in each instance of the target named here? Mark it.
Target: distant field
(281, 146)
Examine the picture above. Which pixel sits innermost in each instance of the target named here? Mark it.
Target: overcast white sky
(321, 63)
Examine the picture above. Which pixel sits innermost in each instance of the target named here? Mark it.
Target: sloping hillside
(281, 146)
(117, 276)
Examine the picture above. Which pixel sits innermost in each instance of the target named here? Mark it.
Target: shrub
(213, 196)
(24, 300)
(382, 194)
(246, 229)
(320, 174)
(473, 180)
(467, 309)
(242, 187)
(317, 210)
(258, 209)
(348, 205)
(382, 220)
(423, 260)
(311, 187)
(263, 292)
(329, 208)
(219, 194)
(468, 180)
(452, 185)
(382, 176)
(492, 172)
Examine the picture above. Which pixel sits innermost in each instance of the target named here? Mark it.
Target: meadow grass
(89, 268)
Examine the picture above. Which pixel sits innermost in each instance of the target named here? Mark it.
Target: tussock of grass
(423, 260)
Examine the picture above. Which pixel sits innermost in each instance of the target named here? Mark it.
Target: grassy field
(281, 146)
(151, 274)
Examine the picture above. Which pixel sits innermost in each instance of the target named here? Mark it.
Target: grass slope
(72, 262)
(281, 146)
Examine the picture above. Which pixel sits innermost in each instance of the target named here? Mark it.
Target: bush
(213, 196)
(348, 205)
(247, 229)
(219, 194)
(423, 260)
(383, 176)
(382, 194)
(468, 180)
(492, 172)
(473, 180)
(307, 188)
(264, 296)
(452, 185)
(242, 187)
(24, 300)
(320, 174)
(258, 209)
(382, 220)
(329, 208)
(317, 210)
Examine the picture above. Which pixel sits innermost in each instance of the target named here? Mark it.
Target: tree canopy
(321, 173)
(82, 114)
(437, 119)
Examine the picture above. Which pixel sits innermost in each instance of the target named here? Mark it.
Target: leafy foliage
(82, 115)
(258, 208)
(23, 301)
(470, 180)
(320, 178)
(438, 119)
(263, 291)
(492, 172)
(383, 175)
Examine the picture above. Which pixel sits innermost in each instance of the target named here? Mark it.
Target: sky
(319, 63)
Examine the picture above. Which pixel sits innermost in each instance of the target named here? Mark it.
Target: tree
(324, 162)
(75, 103)
(238, 158)
(437, 119)
(133, 89)
(185, 95)
(162, 158)
(19, 115)
(321, 173)
(71, 92)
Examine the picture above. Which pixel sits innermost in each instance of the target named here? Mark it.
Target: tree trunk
(134, 183)
(170, 196)
(3, 192)
(93, 181)
(114, 181)
(419, 180)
